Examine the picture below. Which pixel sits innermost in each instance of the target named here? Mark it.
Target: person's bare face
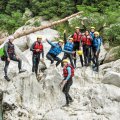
(92, 30)
(61, 44)
(70, 41)
(96, 35)
(65, 63)
(77, 30)
(86, 33)
(39, 39)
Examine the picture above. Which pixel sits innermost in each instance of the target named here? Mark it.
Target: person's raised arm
(52, 44)
(65, 51)
(65, 38)
(84, 27)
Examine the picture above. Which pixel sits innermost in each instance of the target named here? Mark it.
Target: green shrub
(36, 23)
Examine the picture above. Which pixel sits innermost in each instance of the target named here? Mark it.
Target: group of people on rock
(86, 45)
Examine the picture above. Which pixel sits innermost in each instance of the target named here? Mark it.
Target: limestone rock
(111, 55)
(112, 78)
(29, 98)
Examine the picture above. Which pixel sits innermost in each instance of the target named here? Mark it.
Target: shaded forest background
(97, 13)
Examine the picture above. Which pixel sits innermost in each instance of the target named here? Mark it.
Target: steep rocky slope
(96, 95)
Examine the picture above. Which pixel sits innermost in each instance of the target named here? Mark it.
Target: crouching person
(68, 73)
(10, 54)
(55, 50)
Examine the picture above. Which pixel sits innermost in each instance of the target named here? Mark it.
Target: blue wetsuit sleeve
(99, 44)
(52, 44)
(69, 73)
(67, 51)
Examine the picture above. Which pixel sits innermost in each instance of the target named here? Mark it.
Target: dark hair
(87, 31)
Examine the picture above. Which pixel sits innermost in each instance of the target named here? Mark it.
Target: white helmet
(10, 37)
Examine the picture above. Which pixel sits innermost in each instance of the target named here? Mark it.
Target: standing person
(92, 29)
(87, 42)
(92, 32)
(10, 54)
(68, 73)
(56, 49)
(77, 44)
(68, 48)
(37, 49)
(96, 43)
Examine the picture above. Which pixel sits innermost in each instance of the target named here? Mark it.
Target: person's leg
(49, 57)
(70, 83)
(90, 54)
(17, 60)
(84, 54)
(37, 63)
(75, 59)
(66, 94)
(93, 56)
(5, 69)
(6, 66)
(87, 55)
(34, 62)
(81, 60)
(19, 63)
(71, 61)
(64, 57)
(66, 91)
(75, 48)
(58, 60)
(97, 62)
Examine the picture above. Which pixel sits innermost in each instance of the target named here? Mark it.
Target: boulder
(112, 55)
(103, 53)
(21, 43)
(112, 78)
(46, 33)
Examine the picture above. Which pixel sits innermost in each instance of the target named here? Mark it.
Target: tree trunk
(27, 32)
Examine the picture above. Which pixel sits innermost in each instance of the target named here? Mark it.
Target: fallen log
(27, 32)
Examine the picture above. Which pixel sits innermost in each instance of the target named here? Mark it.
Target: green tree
(11, 23)
(14, 5)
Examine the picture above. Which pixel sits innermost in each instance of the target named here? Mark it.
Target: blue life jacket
(92, 34)
(97, 42)
(55, 50)
(68, 46)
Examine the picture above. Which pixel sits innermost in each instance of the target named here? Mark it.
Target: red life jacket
(77, 37)
(86, 40)
(65, 71)
(38, 46)
(11, 49)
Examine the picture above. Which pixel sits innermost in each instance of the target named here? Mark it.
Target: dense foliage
(96, 13)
